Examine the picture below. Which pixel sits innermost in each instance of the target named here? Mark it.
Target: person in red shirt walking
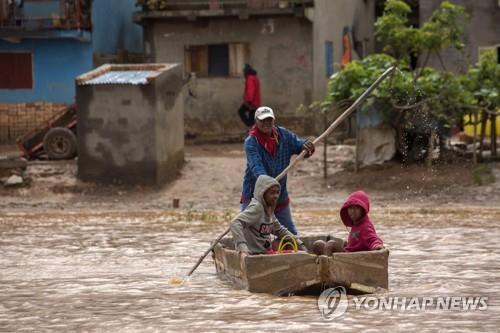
(251, 96)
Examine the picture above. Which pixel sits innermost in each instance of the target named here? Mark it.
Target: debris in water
(175, 280)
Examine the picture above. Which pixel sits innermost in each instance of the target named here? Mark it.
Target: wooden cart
(56, 137)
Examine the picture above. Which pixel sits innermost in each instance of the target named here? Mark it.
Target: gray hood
(253, 227)
(262, 184)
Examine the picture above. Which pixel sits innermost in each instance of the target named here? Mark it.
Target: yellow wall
(469, 129)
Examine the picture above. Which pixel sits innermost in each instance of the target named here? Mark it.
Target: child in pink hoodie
(354, 214)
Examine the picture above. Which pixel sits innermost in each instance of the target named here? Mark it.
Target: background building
(294, 45)
(44, 45)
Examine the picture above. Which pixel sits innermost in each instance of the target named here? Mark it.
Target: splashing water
(176, 280)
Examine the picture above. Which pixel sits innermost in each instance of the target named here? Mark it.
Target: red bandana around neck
(268, 142)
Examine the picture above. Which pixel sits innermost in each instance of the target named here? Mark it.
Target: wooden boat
(292, 273)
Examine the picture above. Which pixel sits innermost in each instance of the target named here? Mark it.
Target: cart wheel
(60, 143)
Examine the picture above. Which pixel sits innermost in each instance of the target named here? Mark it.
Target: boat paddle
(327, 132)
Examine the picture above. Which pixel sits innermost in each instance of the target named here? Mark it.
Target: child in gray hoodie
(253, 227)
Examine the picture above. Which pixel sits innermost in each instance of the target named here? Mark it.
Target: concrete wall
(330, 17)
(131, 134)
(169, 125)
(482, 29)
(280, 50)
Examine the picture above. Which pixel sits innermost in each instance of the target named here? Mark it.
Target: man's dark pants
(247, 114)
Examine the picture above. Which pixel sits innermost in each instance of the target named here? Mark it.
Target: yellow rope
(291, 241)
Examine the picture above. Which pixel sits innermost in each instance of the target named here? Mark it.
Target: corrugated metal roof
(121, 77)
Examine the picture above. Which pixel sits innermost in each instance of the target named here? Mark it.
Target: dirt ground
(212, 174)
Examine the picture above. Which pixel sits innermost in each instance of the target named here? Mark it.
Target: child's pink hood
(362, 236)
(356, 198)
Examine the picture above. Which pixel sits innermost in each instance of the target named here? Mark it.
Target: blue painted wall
(113, 27)
(329, 58)
(56, 63)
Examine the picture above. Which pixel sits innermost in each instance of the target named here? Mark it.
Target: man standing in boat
(269, 149)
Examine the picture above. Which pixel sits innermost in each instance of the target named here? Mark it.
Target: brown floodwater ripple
(110, 272)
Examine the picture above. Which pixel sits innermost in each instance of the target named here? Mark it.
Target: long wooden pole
(340, 119)
(329, 130)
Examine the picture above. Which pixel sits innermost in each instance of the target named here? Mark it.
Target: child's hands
(243, 255)
(242, 248)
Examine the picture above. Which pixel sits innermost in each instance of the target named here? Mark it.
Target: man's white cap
(264, 112)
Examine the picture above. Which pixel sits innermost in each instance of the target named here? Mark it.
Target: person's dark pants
(247, 115)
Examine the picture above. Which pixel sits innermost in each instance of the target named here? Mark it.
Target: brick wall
(16, 119)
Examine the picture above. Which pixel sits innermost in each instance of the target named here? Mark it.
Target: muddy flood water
(110, 272)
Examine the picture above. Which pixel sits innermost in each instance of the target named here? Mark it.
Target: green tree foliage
(357, 76)
(444, 29)
(444, 95)
(483, 81)
(438, 93)
(394, 31)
